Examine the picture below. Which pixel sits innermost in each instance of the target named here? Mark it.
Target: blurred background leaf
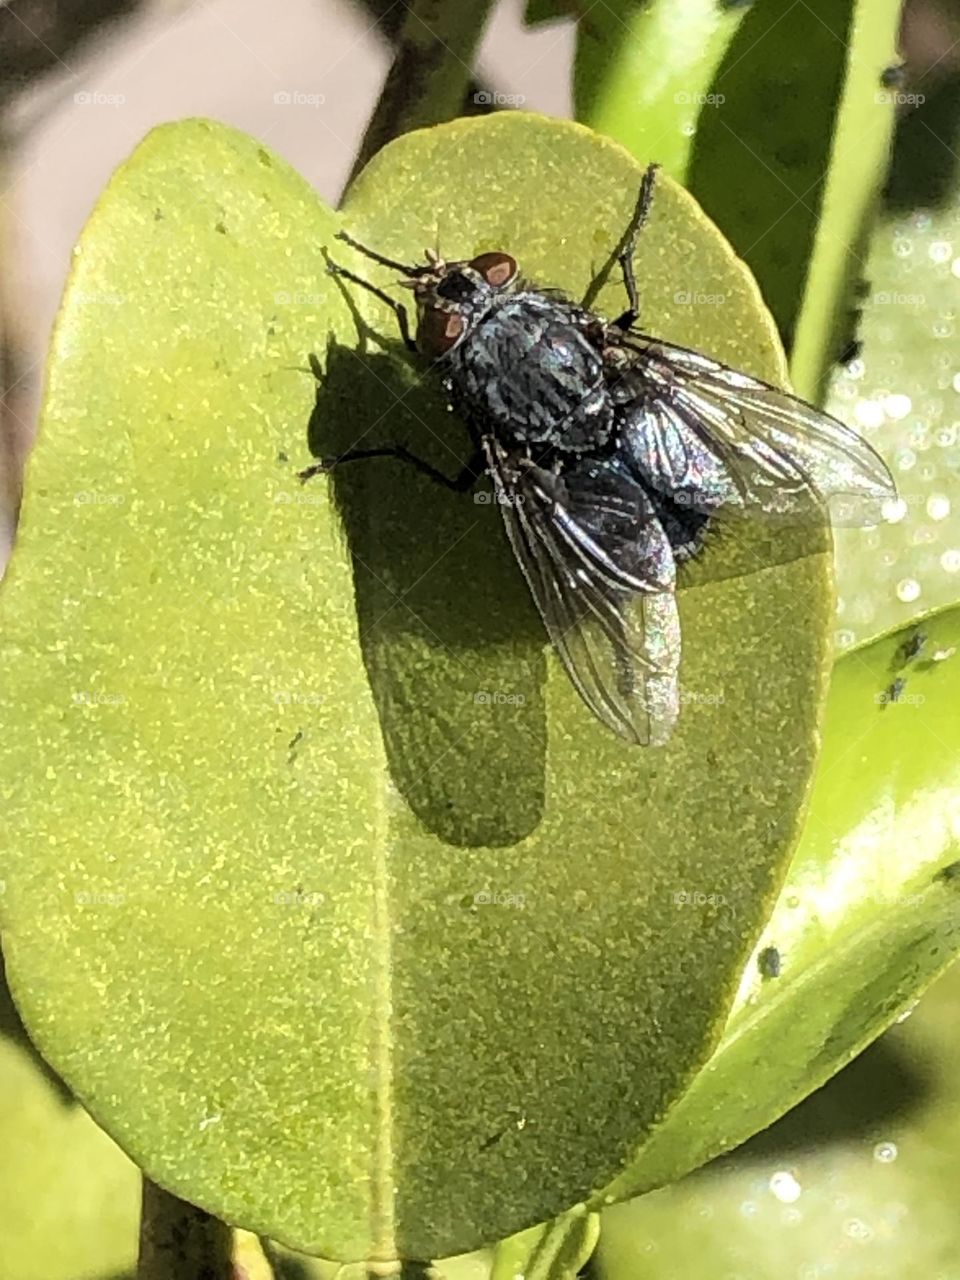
(775, 118)
(70, 1197)
(902, 388)
(855, 1183)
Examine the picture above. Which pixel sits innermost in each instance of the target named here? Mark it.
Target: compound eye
(498, 269)
(438, 331)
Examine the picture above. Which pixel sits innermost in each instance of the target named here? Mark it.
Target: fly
(610, 451)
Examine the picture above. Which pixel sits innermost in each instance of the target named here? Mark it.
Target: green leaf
(859, 161)
(644, 72)
(791, 162)
(903, 392)
(869, 914)
(858, 1179)
(775, 118)
(256, 813)
(556, 1251)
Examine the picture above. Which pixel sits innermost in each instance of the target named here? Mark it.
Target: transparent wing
(715, 437)
(601, 572)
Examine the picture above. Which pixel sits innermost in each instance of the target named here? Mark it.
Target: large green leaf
(868, 916)
(257, 813)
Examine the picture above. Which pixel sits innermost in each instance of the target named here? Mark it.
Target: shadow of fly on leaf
(453, 647)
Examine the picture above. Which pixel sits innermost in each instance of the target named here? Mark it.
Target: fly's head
(452, 296)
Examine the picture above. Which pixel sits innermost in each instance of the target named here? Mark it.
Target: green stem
(431, 70)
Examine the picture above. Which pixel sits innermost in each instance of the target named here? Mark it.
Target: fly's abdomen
(667, 455)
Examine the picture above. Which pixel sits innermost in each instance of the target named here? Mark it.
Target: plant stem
(432, 67)
(178, 1241)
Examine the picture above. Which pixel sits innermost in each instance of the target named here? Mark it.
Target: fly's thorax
(529, 372)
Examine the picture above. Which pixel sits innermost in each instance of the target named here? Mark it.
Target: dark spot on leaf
(769, 962)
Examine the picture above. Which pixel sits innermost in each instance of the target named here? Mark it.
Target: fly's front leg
(398, 309)
(641, 213)
(460, 483)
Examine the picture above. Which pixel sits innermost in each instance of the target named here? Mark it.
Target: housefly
(610, 450)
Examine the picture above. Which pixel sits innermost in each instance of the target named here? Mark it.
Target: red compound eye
(498, 269)
(438, 331)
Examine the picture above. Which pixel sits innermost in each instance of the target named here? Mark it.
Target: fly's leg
(398, 309)
(641, 213)
(460, 483)
(372, 254)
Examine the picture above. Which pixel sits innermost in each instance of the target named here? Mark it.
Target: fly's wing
(713, 437)
(601, 571)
